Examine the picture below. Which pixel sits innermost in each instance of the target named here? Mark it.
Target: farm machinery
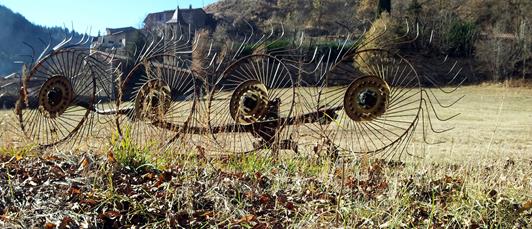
(237, 97)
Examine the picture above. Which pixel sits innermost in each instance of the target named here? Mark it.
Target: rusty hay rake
(242, 96)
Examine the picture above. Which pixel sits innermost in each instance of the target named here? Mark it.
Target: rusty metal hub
(366, 98)
(153, 100)
(249, 102)
(55, 96)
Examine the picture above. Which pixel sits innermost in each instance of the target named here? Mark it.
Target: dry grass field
(480, 177)
(495, 123)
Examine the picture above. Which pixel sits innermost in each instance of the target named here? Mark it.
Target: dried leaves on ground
(91, 191)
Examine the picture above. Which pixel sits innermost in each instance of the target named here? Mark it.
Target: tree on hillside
(371, 9)
(317, 6)
(384, 5)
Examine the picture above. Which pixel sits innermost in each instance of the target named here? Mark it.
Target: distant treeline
(15, 31)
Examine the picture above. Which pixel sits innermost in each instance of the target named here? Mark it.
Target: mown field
(480, 177)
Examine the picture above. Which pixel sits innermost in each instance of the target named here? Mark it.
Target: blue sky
(94, 14)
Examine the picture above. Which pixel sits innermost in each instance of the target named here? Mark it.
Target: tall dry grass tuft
(199, 53)
(383, 34)
(261, 49)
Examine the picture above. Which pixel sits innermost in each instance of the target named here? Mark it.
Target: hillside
(492, 36)
(326, 17)
(15, 30)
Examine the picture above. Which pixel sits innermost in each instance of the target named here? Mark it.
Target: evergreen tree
(384, 5)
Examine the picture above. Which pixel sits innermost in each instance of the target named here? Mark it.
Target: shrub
(460, 38)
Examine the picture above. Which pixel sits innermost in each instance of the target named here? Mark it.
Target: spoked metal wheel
(250, 105)
(56, 97)
(377, 98)
(156, 102)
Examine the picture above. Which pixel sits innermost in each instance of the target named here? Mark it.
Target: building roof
(176, 14)
(176, 17)
(150, 15)
(111, 31)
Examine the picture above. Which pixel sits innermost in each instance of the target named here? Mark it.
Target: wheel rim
(268, 80)
(384, 121)
(159, 104)
(57, 96)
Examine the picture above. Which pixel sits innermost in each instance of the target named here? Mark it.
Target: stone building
(117, 40)
(179, 21)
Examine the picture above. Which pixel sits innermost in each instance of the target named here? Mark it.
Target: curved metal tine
(196, 42)
(435, 84)
(357, 42)
(63, 43)
(159, 47)
(263, 38)
(13, 125)
(325, 67)
(400, 40)
(406, 148)
(179, 47)
(280, 35)
(300, 44)
(424, 131)
(156, 46)
(441, 120)
(211, 55)
(316, 68)
(240, 48)
(435, 112)
(32, 51)
(375, 35)
(297, 42)
(456, 76)
(88, 39)
(338, 57)
(278, 38)
(392, 151)
(409, 140)
(189, 38)
(104, 84)
(395, 41)
(438, 101)
(451, 81)
(291, 56)
(341, 51)
(329, 64)
(146, 47)
(45, 50)
(212, 62)
(88, 130)
(221, 58)
(311, 61)
(84, 38)
(247, 39)
(210, 52)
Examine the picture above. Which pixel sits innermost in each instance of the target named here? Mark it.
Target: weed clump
(383, 34)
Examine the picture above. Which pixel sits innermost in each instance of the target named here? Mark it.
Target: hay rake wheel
(56, 97)
(155, 110)
(251, 104)
(377, 98)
